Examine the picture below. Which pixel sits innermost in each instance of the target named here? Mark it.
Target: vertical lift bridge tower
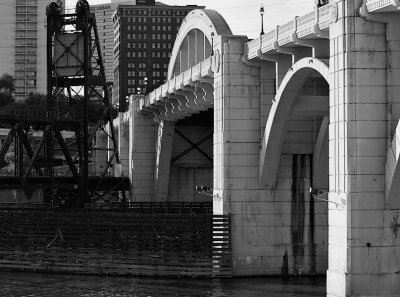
(78, 105)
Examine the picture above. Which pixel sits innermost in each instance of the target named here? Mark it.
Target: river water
(46, 285)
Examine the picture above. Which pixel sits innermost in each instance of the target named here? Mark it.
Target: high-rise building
(105, 28)
(144, 35)
(23, 44)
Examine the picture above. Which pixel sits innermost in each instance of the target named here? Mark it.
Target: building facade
(23, 44)
(105, 28)
(144, 35)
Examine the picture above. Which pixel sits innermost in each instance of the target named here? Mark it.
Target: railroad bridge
(311, 104)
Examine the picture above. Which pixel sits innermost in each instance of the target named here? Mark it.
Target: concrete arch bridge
(313, 103)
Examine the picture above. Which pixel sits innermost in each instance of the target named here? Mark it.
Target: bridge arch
(392, 172)
(194, 39)
(271, 146)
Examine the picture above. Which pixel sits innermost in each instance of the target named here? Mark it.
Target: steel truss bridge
(53, 148)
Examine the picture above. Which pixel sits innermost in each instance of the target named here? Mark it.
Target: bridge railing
(317, 19)
(377, 4)
(285, 32)
(252, 48)
(203, 68)
(268, 39)
(305, 24)
(206, 67)
(324, 16)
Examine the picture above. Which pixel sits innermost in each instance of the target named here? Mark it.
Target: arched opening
(192, 158)
(195, 38)
(194, 49)
(295, 158)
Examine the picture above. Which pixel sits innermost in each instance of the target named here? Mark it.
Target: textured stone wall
(357, 244)
(142, 146)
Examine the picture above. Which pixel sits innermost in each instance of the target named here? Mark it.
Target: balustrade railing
(252, 48)
(305, 24)
(324, 16)
(267, 41)
(203, 68)
(376, 4)
(285, 32)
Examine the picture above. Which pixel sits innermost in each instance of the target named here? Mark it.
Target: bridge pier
(363, 250)
(237, 133)
(142, 149)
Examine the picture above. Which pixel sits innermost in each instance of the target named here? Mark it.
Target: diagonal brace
(193, 146)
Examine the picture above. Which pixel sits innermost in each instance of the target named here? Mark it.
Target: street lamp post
(262, 18)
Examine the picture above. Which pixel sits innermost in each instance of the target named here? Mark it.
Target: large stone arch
(198, 26)
(271, 145)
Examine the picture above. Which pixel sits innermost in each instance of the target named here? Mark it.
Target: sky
(243, 17)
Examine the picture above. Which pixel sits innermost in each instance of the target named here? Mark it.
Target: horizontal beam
(46, 182)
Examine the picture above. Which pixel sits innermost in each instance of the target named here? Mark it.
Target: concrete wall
(359, 245)
(142, 147)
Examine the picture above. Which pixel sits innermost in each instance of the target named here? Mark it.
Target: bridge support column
(363, 253)
(123, 145)
(142, 131)
(237, 119)
(100, 157)
(163, 160)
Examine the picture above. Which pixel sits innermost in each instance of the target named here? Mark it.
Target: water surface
(46, 285)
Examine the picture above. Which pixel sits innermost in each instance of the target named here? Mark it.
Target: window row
(137, 45)
(136, 54)
(159, 73)
(166, 12)
(141, 73)
(161, 28)
(160, 54)
(134, 12)
(161, 36)
(153, 19)
(161, 45)
(138, 36)
(141, 65)
(139, 28)
(158, 65)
